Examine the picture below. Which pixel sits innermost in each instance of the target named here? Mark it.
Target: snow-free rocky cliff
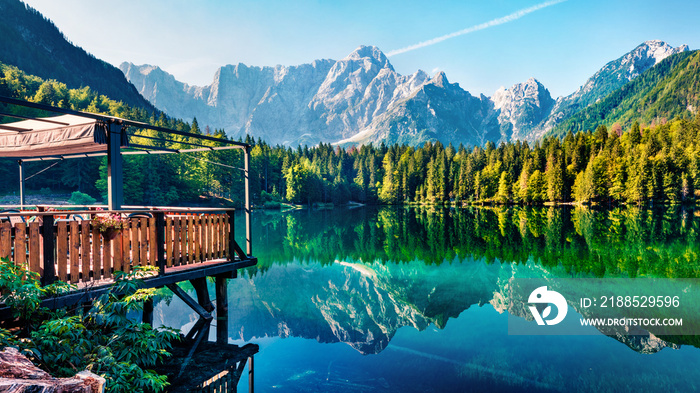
(362, 99)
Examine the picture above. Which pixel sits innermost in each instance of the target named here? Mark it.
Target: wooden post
(221, 309)
(49, 251)
(115, 169)
(251, 375)
(248, 222)
(231, 235)
(160, 242)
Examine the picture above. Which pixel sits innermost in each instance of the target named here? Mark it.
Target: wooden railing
(79, 253)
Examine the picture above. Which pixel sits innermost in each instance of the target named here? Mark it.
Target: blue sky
(561, 43)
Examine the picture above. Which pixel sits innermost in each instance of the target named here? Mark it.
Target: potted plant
(109, 225)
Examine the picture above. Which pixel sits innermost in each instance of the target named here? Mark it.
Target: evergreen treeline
(658, 164)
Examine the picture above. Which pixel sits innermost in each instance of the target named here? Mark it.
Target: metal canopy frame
(116, 127)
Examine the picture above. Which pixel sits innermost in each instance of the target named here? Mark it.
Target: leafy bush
(101, 339)
(80, 198)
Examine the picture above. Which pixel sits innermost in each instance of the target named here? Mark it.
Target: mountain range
(362, 99)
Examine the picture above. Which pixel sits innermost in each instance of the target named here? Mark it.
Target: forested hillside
(34, 44)
(633, 165)
(666, 91)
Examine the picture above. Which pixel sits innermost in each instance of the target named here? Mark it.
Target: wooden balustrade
(79, 253)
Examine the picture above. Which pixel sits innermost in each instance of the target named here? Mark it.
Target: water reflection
(200, 365)
(424, 292)
(618, 242)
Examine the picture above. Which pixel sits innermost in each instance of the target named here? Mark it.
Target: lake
(415, 299)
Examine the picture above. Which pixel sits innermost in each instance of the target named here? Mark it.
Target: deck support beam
(200, 287)
(222, 307)
(189, 301)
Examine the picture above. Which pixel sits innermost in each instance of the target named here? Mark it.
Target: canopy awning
(54, 136)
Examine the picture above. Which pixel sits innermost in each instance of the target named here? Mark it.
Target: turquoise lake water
(416, 299)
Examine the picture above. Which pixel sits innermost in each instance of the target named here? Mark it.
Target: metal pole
(115, 175)
(248, 225)
(21, 184)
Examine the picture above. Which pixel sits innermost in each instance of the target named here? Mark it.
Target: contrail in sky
(498, 21)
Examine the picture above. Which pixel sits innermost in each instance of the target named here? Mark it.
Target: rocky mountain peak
(371, 53)
(532, 89)
(522, 107)
(645, 56)
(440, 80)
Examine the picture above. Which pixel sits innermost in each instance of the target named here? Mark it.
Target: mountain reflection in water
(421, 290)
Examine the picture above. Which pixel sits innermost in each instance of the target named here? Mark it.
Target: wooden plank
(217, 235)
(213, 236)
(190, 239)
(169, 241)
(204, 221)
(135, 242)
(74, 252)
(85, 249)
(126, 249)
(62, 250)
(197, 239)
(176, 241)
(118, 251)
(183, 240)
(225, 237)
(212, 232)
(21, 244)
(35, 247)
(96, 248)
(143, 241)
(222, 236)
(5, 240)
(207, 237)
(152, 242)
(106, 257)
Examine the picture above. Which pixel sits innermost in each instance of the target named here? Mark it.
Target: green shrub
(80, 198)
(101, 339)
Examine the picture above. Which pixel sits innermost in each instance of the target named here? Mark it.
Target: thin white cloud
(498, 21)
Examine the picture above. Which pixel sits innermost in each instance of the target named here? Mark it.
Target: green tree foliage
(101, 339)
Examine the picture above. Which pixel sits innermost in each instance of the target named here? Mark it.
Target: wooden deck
(182, 244)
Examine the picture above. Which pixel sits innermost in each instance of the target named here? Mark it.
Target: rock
(18, 374)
